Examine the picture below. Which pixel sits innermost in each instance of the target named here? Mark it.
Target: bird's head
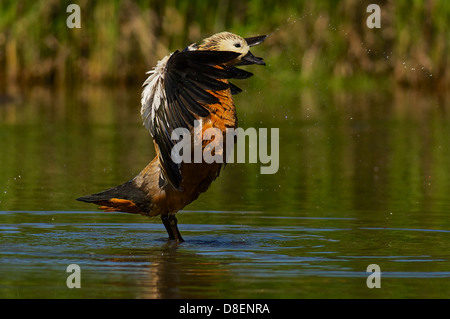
(226, 41)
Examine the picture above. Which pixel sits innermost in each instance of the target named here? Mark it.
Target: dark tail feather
(124, 198)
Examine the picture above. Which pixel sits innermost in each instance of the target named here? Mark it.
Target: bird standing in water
(183, 87)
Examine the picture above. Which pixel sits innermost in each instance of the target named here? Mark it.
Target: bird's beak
(255, 40)
(249, 58)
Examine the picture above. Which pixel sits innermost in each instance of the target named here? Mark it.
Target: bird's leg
(174, 226)
(170, 222)
(166, 222)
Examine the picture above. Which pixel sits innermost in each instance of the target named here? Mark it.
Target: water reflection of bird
(183, 87)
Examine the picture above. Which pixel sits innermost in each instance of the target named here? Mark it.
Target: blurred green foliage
(310, 40)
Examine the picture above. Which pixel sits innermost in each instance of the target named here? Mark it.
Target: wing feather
(175, 94)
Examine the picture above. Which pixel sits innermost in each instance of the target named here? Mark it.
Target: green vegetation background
(310, 40)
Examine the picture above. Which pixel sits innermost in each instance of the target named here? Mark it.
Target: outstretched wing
(176, 92)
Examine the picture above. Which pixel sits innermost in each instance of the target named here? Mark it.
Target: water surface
(364, 179)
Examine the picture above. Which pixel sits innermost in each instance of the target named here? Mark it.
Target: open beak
(255, 40)
(249, 58)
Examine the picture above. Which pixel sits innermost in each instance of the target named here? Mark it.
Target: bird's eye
(237, 45)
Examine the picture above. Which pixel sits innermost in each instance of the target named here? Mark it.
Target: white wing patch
(153, 96)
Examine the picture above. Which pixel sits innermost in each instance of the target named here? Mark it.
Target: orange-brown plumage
(183, 87)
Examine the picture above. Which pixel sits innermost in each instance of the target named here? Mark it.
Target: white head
(227, 41)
